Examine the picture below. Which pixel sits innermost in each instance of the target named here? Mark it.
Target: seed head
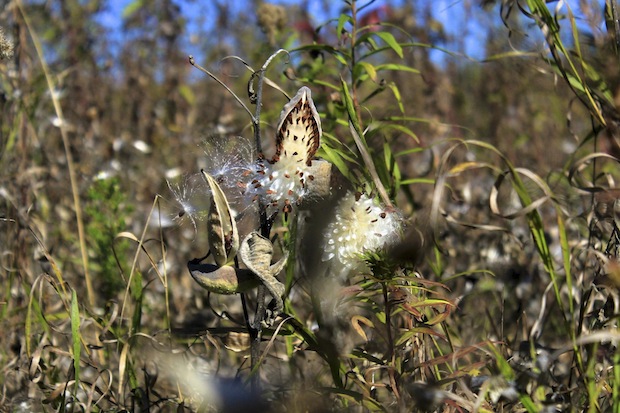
(360, 225)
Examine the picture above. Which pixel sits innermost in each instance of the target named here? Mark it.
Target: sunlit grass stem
(67, 147)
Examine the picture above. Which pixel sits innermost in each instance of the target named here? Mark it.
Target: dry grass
(501, 296)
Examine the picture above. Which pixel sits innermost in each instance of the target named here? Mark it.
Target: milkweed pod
(298, 135)
(318, 178)
(222, 229)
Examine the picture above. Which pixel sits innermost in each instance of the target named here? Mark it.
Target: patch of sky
(464, 23)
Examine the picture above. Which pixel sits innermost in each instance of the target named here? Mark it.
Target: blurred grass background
(94, 252)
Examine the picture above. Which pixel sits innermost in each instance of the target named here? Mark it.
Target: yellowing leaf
(355, 322)
(370, 69)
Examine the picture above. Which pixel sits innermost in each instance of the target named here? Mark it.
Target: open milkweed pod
(222, 280)
(298, 135)
(292, 175)
(222, 229)
(319, 179)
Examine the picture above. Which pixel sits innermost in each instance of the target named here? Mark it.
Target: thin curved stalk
(67, 147)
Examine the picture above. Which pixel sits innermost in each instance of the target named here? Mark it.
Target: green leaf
(326, 84)
(361, 354)
(188, 94)
(353, 396)
(392, 165)
(418, 181)
(505, 369)
(136, 291)
(132, 8)
(562, 57)
(335, 157)
(338, 54)
(415, 331)
(348, 102)
(528, 403)
(342, 20)
(396, 93)
(394, 66)
(368, 68)
(334, 144)
(366, 38)
(391, 41)
(409, 151)
(380, 316)
(75, 337)
(404, 130)
(439, 318)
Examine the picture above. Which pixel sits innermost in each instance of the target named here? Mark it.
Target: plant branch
(212, 76)
(371, 166)
(257, 97)
(255, 329)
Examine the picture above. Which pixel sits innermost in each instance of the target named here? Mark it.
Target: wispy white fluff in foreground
(360, 225)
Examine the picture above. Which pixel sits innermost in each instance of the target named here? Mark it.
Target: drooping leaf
(391, 41)
(397, 67)
(222, 280)
(397, 95)
(342, 20)
(337, 53)
(356, 320)
(368, 68)
(256, 252)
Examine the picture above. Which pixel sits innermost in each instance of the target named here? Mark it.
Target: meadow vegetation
(447, 241)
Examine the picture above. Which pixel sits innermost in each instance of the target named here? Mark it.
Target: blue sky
(454, 15)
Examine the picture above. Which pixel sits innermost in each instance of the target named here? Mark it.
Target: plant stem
(255, 328)
(388, 322)
(212, 76)
(70, 164)
(354, 96)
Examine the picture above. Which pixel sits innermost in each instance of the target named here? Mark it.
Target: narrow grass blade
(75, 337)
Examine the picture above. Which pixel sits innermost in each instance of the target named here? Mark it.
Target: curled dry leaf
(356, 322)
(224, 279)
(256, 252)
(607, 204)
